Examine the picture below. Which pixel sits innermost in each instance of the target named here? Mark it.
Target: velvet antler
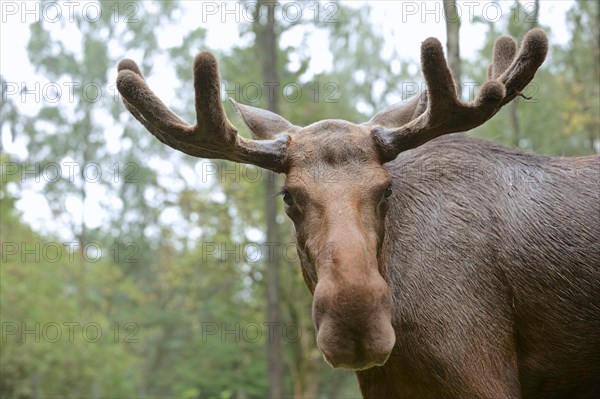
(213, 136)
(445, 112)
(435, 112)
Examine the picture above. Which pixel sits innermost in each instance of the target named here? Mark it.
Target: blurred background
(131, 270)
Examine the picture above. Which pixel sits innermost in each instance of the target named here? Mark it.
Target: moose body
(493, 262)
(440, 267)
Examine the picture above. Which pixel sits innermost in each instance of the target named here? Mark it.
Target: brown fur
(494, 268)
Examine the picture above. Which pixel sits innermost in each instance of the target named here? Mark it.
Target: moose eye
(388, 192)
(287, 198)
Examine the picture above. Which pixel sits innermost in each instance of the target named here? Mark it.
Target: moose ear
(400, 113)
(263, 124)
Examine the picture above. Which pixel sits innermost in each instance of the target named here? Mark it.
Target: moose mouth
(355, 367)
(357, 348)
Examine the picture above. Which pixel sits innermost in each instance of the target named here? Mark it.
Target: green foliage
(53, 345)
(577, 75)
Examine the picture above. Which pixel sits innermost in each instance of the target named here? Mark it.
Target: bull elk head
(339, 225)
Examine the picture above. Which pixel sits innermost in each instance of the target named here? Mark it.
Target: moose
(441, 265)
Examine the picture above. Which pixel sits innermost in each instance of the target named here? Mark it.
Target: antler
(445, 112)
(213, 136)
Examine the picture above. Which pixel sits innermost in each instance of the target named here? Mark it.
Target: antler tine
(445, 112)
(210, 113)
(504, 51)
(521, 71)
(136, 93)
(213, 136)
(127, 64)
(440, 83)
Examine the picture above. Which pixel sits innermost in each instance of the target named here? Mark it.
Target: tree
(72, 131)
(580, 71)
(266, 46)
(452, 42)
(518, 28)
(53, 345)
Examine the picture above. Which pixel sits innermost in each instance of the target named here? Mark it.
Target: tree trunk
(82, 235)
(514, 114)
(452, 42)
(266, 41)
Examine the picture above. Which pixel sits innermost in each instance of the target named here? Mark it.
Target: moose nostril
(353, 352)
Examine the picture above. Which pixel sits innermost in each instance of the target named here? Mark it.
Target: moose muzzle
(353, 321)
